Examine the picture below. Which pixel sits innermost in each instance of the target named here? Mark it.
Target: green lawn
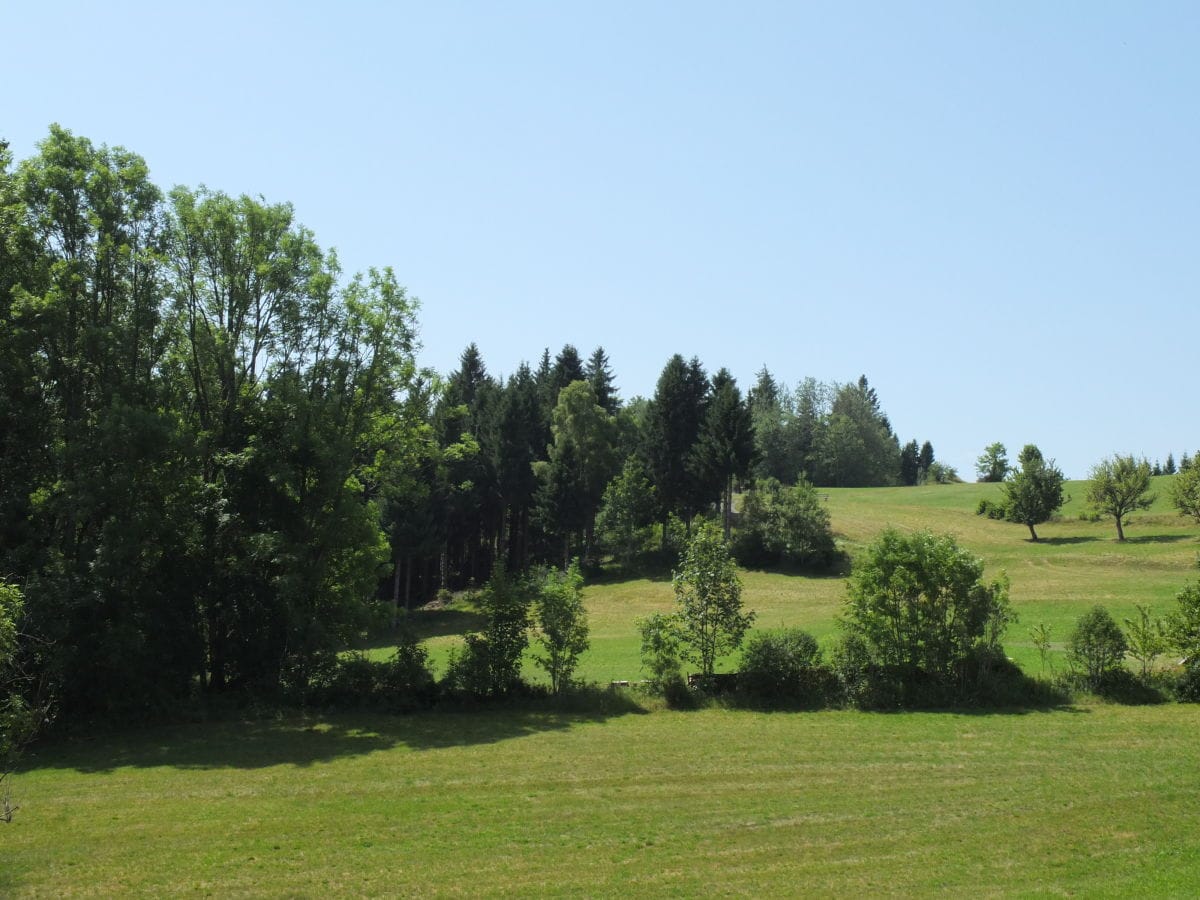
(1095, 800)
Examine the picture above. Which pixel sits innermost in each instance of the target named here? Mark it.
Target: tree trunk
(1120, 530)
(396, 593)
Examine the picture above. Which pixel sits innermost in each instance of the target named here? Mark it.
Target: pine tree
(725, 447)
(1169, 468)
(599, 375)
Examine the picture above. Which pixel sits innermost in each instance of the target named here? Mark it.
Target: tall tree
(673, 422)
(992, 466)
(725, 446)
(598, 373)
(910, 467)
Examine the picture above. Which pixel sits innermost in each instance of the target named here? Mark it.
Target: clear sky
(989, 209)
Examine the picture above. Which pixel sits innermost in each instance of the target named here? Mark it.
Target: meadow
(617, 795)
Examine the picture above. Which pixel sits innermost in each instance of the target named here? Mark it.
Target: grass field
(1098, 800)
(1075, 565)
(615, 799)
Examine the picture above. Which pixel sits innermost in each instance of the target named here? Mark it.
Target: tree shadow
(1159, 538)
(423, 624)
(307, 740)
(1064, 541)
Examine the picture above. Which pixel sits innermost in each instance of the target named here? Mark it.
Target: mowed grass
(1075, 565)
(1095, 800)
(615, 800)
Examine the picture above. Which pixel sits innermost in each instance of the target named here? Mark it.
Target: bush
(561, 623)
(991, 510)
(922, 615)
(1187, 688)
(405, 681)
(1096, 647)
(784, 526)
(661, 651)
(783, 666)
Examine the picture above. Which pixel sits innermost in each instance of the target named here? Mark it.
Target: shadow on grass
(1158, 538)
(423, 624)
(1064, 541)
(305, 740)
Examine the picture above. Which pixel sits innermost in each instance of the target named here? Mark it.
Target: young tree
(1146, 638)
(1185, 492)
(1118, 487)
(708, 593)
(992, 466)
(561, 624)
(1097, 646)
(919, 603)
(1033, 491)
(1169, 468)
(1182, 625)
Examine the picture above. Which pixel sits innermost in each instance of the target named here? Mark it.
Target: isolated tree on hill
(1120, 486)
(1034, 490)
(709, 595)
(992, 466)
(725, 447)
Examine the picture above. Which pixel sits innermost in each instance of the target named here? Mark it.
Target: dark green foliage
(925, 459)
(673, 423)
(1034, 491)
(910, 466)
(784, 526)
(992, 510)
(1097, 646)
(1169, 468)
(856, 445)
(724, 448)
(930, 625)
(1182, 624)
(784, 667)
(599, 375)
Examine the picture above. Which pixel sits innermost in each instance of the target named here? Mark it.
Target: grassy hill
(608, 798)
(1076, 564)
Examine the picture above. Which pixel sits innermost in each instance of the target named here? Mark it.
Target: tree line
(220, 459)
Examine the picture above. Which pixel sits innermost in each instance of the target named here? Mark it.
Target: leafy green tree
(1097, 646)
(20, 718)
(787, 525)
(662, 650)
(489, 665)
(708, 593)
(992, 465)
(1033, 492)
(857, 446)
(925, 459)
(627, 511)
(1185, 492)
(1120, 486)
(919, 603)
(1182, 625)
(1146, 638)
(561, 624)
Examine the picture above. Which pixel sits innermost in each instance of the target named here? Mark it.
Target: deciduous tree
(1034, 490)
(1119, 486)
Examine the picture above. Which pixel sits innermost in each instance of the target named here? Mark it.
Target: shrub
(785, 525)
(991, 510)
(922, 613)
(661, 651)
(1096, 647)
(783, 666)
(489, 664)
(406, 682)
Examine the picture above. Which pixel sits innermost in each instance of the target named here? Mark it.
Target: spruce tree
(599, 374)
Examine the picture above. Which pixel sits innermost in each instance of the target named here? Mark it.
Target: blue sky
(990, 209)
